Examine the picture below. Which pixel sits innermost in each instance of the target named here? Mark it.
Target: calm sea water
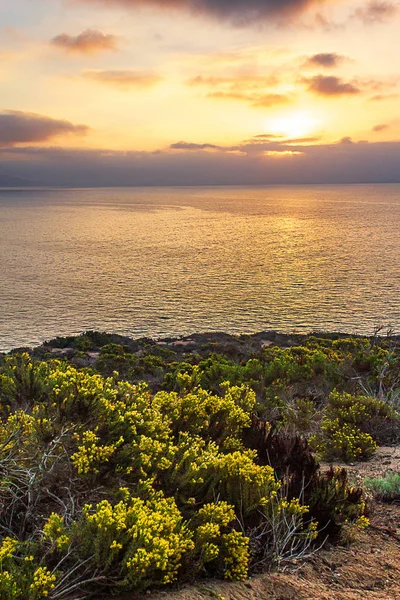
(172, 261)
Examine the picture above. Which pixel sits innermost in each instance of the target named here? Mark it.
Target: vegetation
(130, 464)
(385, 488)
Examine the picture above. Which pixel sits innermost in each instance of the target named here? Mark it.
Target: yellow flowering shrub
(43, 583)
(242, 482)
(146, 539)
(227, 551)
(21, 578)
(343, 441)
(90, 454)
(135, 488)
(17, 433)
(201, 412)
(7, 548)
(235, 550)
(8, 586)
(348, 424)
(55, 531)
(200, 470)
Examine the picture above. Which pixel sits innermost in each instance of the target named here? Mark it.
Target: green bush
(385, 488)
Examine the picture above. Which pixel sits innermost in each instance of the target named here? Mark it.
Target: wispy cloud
(256, 100)
(17, 127)
(235, 82)
(87, 42)
(255, 90)
(384, 97)
(123, 79)
(188, 146)
(380, 127)
(377, 12)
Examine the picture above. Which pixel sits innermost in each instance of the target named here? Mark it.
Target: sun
(292, 125)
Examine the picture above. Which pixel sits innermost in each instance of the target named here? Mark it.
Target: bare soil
(366, 566)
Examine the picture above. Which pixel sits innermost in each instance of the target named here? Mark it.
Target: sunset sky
(106, 92)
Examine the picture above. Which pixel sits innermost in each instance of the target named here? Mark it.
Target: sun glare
(292, 125)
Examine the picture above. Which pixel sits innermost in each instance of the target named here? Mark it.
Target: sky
(191, 92)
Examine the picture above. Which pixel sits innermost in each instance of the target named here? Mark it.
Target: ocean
(172, 261)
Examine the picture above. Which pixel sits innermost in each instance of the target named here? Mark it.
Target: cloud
(267, 100)
(322, 85)
(380, 127)
(269, 163)
(87, 42)
(267, 136)
(383, 97)
(17, 127)
(123, 78)
(257, 100)
(237, 11)
(376, 12)
(235, 82)
(325, 59)
(255, 90)
(192, 146)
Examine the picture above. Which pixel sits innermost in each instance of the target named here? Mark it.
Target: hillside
(139, 465)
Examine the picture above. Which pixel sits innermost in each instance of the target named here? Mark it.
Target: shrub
(342, 441)
(114, 357)
(349, 424)
(140, 542)
(385, 488)
(282, 534)
(219, 550)
(333, 502)
(367, 413)
(105, 486)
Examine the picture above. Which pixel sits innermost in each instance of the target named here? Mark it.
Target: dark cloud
(123, 78)
(380, 127)
(237, 11)
(269, 163)
(18, 127)
(377, 12)
(87, 42)
(330, 86)
(325, 59)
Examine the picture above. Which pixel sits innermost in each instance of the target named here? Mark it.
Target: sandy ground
(367, 568)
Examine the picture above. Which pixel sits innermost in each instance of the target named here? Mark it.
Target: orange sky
(130, 75)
